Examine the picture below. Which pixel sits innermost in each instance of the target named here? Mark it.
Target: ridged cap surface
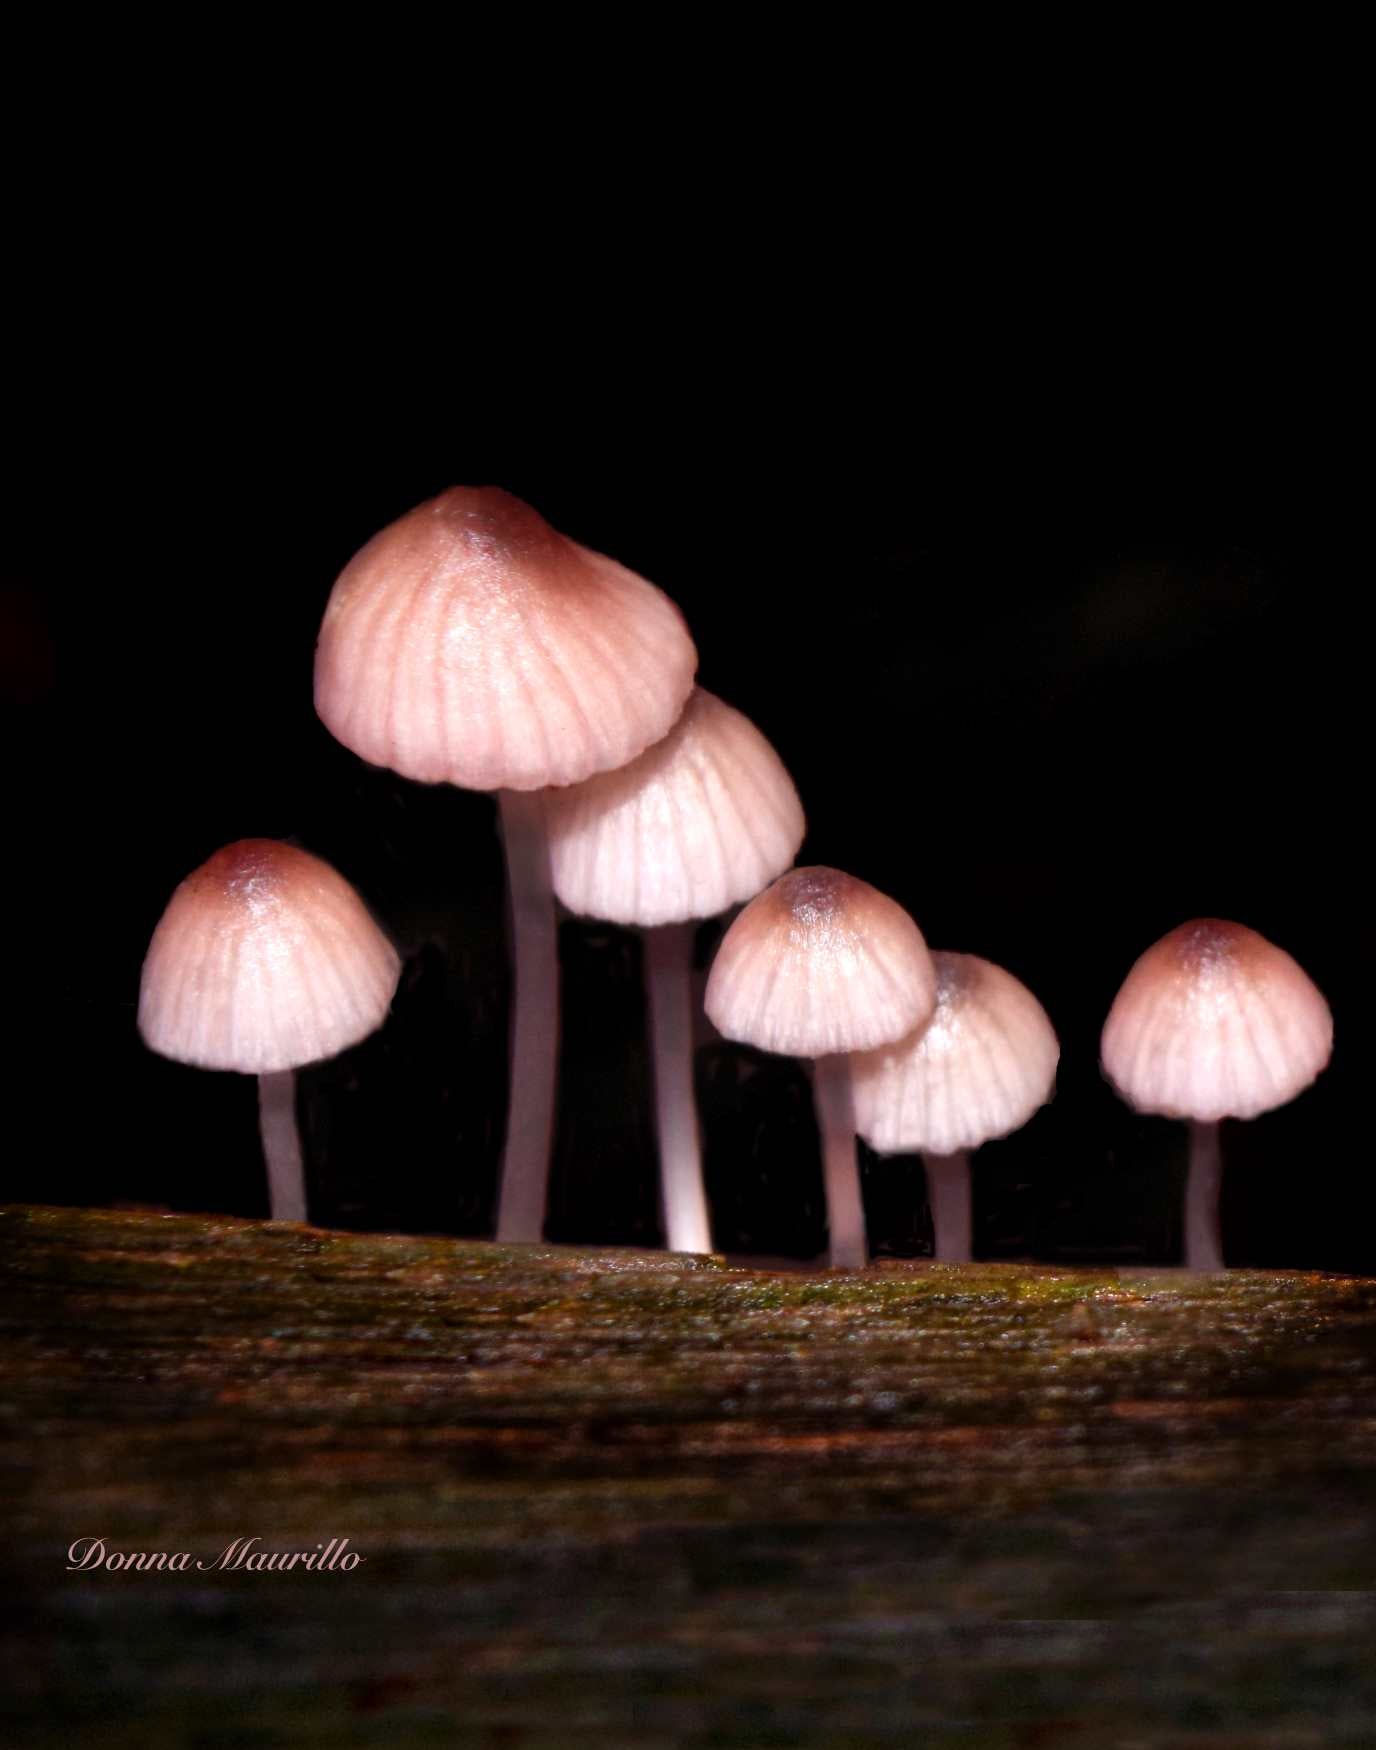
(819, 963)
(979, 1068)
(470, 643)
(265, 959)
(1215, 1022)
(699, 822)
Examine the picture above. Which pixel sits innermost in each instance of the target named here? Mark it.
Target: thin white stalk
(1203, 1186)
(524, 1189)
(948, 1198)
(849, 1249)
(282, 1145)
(668, 978)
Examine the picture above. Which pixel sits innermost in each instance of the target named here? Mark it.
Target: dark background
(1056, 671)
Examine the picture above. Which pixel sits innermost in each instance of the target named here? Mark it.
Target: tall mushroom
(820, 965)
(978, 1070)
(266, 960)
(470, 643)
(1214, 1022)
(701, 821)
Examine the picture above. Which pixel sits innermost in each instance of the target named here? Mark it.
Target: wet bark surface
(614, 1497)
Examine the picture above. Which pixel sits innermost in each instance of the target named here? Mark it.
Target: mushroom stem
(841, 1170)
(1203, 1184)
(668, 975)
(948, 1198)
(282, 1145)
(524, 1188)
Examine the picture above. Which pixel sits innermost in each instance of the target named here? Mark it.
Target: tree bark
(624, 1497)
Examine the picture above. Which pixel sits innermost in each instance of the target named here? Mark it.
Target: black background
(1057, 668)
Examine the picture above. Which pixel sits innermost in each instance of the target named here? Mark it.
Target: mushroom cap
(820, 963)
(979, 1068)
(470, 643)
(265, 959)
(1215, 1022)
(701, 821)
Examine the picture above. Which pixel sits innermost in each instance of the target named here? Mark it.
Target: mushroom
(820, 965)
(1214, 1022)
(265, 960)
(701, 821)
(977, 1070)
(470, 643)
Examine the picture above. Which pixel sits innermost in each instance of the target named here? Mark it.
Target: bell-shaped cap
(470, 643)
(820, 963)
(701, 821)
(265, 959)
(979, 1068)
(1215, 1022)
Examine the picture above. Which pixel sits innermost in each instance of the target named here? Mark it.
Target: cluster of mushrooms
(469, 643)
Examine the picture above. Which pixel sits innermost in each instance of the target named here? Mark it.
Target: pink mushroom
(820, 965)
(1214, 1022)
(701, 821)
(265, 960)
(470, 643)
(977, 1070)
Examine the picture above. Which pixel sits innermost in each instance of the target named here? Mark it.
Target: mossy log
(615, 1498)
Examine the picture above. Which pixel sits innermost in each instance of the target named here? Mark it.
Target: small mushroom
(977, 1070)
(820, 965)
(470, 643)
(266, 960)
(701, 821)
(1214, 1022)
